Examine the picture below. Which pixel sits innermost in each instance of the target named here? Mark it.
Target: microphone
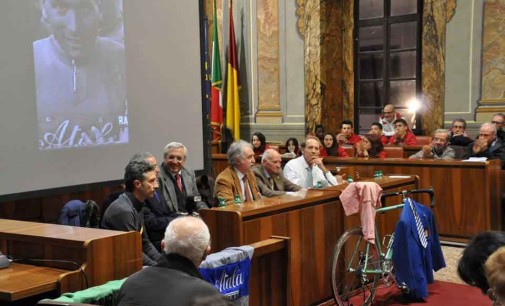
(4, 261)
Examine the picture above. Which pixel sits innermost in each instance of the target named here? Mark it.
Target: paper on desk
(398, 176)
(475, 159)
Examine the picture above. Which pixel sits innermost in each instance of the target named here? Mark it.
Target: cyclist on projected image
(80, 78)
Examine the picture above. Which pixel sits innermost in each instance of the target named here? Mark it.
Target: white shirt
(296, 170)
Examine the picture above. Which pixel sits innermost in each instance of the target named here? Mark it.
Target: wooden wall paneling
(467, 195)
(269, 272)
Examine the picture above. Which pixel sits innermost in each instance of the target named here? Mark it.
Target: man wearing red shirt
(348, 132)
(403, 135)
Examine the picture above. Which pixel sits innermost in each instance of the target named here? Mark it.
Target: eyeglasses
(496, 122)
(388, 112)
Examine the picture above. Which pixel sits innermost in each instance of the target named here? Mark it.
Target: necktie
(156, 195)
(310, 180)
(419, 225)
(179, 181)
(248, 196)
(271, 182)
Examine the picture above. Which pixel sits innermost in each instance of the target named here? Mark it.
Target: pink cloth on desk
(364, 197)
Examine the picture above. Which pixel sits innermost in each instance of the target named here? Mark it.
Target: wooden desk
(103, 255)
(20, 281)
(313, 223)
(467, 194)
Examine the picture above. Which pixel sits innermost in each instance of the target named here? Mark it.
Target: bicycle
(358, 267)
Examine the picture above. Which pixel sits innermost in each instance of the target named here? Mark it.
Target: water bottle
(222, 203)
(349, 179)
(237, 200)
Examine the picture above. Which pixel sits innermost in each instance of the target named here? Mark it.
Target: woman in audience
(370, 146)
(292, 148)
(259, 143)
(495, 275)
(330, 147)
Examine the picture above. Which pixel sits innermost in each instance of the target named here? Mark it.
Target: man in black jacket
(175, 280)
(124, 214)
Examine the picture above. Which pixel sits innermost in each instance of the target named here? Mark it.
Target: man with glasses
(177, 188)
(487, 144)
(458, 135)
(438, 149)
(387, 120)
(499, 121)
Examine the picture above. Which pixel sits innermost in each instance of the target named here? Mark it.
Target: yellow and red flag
(232, 84)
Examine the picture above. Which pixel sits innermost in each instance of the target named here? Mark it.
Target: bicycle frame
(389, 248)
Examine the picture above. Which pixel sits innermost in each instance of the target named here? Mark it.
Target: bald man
(176, 279)
(388, 118)
(271, 182)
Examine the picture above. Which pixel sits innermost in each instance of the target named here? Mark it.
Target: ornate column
(493, 61)
(436, 14)
(267, 23)
(319, 23)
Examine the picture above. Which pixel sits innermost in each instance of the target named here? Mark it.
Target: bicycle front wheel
(351, 280)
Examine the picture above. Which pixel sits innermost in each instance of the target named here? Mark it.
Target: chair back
(423, 140)
(106, 295)
(393, 151)
(350, 150)
(79, 213)
(221, 269)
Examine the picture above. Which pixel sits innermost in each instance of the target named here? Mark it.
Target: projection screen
(85, 84)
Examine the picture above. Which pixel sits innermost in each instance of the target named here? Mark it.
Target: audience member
(331, 147)
(348, 132)
(341, 139)
(271, 181)
(403, 135)
(319, 132)
(376, 129)
(308, 170)
(388, 118)
(495, 275)
(499, 121)
(124, 214)
(370, 146)
(471, 264)
(238, 180)
(487, 144)
(292, 148)
(259, 143)
(438, 149)
(458, 136)
(175, 280)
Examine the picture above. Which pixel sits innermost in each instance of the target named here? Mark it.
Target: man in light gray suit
(269, 176)
(177, 194)
(177, 183)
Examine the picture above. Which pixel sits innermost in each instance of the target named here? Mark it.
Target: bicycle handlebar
(405, 193)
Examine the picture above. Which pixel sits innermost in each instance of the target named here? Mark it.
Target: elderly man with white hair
(175, 280)
(237, 181)
(488, 145)
(269, 177)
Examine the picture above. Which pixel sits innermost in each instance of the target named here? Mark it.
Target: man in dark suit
(175, 280)
(269, 177)
(177, 194)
